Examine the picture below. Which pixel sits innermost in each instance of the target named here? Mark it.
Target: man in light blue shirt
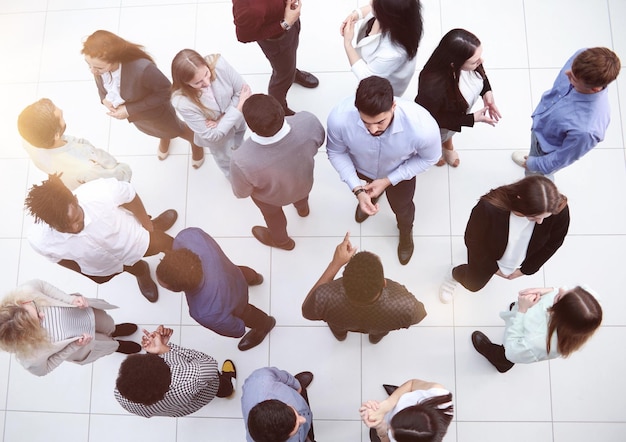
(386, 142)
(572, 117)
(275, 406)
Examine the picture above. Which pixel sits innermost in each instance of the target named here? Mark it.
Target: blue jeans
(535, 151)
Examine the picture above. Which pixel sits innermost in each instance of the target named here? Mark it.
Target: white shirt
(78, 161)
(111, 82)
(112, 236)
(382, 57)
(520, 232)
(471, 85)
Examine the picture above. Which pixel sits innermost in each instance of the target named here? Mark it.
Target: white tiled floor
(525, 41)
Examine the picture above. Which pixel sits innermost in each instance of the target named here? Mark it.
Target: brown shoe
(263, 235)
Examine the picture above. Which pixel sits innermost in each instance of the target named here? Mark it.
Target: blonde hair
(20, 333)
(184, 67)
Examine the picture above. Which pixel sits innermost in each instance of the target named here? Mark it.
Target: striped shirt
(63, 323)
(195, 380)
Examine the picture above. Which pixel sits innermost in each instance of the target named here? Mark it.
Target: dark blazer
(144, 88)
(433, 95)
(487, 234)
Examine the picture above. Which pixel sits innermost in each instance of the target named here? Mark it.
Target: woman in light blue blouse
(545, 323)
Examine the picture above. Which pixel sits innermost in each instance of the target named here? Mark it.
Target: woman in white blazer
(209, 94)
(43, 326)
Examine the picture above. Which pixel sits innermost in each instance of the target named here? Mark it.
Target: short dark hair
(180, 269)
(363, 278)
(271, 421)
(38, 125)
(264, 115)
(49, 202)
(374, 96)
(144, 378)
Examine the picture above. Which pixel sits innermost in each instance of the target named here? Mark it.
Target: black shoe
(264, 236)
(340, 336)
(164, 221)
(255, 336)
(128, 347)
(359, 215)
(482, 344)
(306, 79)
(305, 378)
(147, 286)
(124, 329)
(288, 112)
(229, 369)
(304, 212)
(375, 339)
(405, 247)
(258, 281)
(390, 388)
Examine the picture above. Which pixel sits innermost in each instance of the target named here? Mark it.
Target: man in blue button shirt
(275, 406)
(572, 117)
(385, 141)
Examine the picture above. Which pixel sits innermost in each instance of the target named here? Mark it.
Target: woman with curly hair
(43, 326)
(209, 94)
(545, 323)
(132, 87)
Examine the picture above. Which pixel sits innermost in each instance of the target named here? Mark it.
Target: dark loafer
(306, 79)
(164, 221)
(124, 329)
(263, 235)
(305, 378)
(147, 286)
(405, 248)
(128, 347)
(255, 336)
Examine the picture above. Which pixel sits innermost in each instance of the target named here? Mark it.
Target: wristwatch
(286, 26)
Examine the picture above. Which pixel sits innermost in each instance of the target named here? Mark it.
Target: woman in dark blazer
(512, 231)
(450, 84)
(132, 87)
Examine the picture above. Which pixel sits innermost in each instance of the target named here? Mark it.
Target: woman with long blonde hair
(43, 326)
(209, 94)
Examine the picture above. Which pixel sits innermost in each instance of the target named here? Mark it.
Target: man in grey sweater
(275, 165)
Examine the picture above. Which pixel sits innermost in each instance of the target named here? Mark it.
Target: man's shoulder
(195, 239)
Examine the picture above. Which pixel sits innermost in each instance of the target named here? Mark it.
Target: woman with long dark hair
(386, 42)
(449, 85)
(209, 94)
(132, 87)
(545, 323)
(512, 231)
(416, 411)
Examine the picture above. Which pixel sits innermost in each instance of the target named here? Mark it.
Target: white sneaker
(446, 291)
(519, 157)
